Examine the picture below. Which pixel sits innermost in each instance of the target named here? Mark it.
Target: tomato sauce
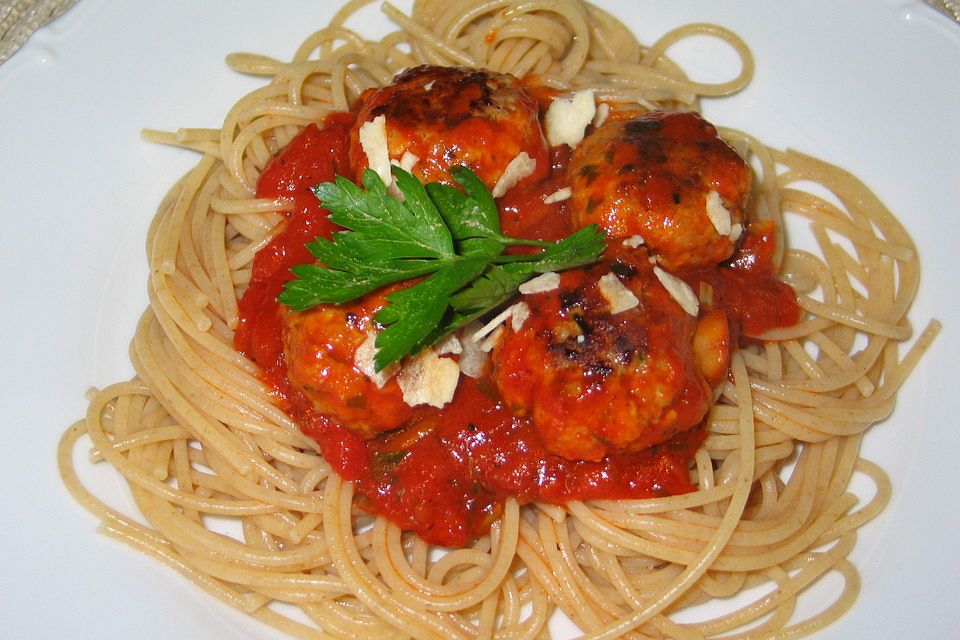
(447, 473)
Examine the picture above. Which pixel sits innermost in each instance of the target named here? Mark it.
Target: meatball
(652, 176)
(320, 347)
(594, 382)
(449, 116)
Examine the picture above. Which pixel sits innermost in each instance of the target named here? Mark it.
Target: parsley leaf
(450, 235)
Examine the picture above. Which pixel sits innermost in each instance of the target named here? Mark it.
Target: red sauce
(747, 289)
(315, 155)
(447, 473)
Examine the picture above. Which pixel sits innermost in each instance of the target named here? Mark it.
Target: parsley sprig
(451, 236)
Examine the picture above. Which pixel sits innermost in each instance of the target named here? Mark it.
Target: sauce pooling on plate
(602, 391)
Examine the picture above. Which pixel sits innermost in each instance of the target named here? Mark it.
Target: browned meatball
(320, 347)
(595, 382)
(448, 116)
(651, 176)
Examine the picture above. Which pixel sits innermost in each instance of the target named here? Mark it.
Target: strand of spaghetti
(571, 563)
(150, 369)
(434, 594)
(823, 213)
(216, 250)
(175, 319)
(587, 614)
(670, 38)
(185, 533)
(814, 566)
(854, 319)
(145, 480)
(107, 516)
(841, 421)
(229, 446)
(141, 438)
(135, 535)
(617, 576)
(699, 527)
(883, 492)
(254, 205)
(166, 252)
(205, 147)
(574, 15)
(423, 36)
(855, 194)
(225, 380)
(560, 534)
(354, 572)
(340, 621)
(231, 155)
(851, 370)
(299, 586)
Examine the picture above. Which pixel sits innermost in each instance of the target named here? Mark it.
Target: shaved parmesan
(406, 162)
(603, 110)
(473, 360)
(428, 379)
(633, 242)
(558, 195)
(520, 314)
(497, 320)
(679, 290)
(363, 360)
(544, 282)
(373, 140)
(409, 160)
(450, 344)
(518, 169)
(735, 230)
(618, 296)
(566, 118)
(718, 213)
(491, 341)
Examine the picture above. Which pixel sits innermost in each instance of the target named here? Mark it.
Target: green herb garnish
(439, 231)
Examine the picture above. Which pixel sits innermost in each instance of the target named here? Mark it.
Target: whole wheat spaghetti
(199, 441)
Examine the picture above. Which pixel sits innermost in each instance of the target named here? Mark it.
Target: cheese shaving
(603, 110)
(718, 213)
(633, 242)
(558, 195)
(492, 340)
(409, 160)
(428, 379)
(518, 169)
(497, 320)
(473, 360)
(679, 290)
(566, 118)
(617, 294)
(450, 344)
(373, 140)
(735, 230)
(520, 314)
(363, 360)
(544, 282)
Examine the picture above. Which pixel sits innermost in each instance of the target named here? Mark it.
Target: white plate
(871, 85)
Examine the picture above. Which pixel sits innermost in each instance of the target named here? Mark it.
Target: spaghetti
(200, 442)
